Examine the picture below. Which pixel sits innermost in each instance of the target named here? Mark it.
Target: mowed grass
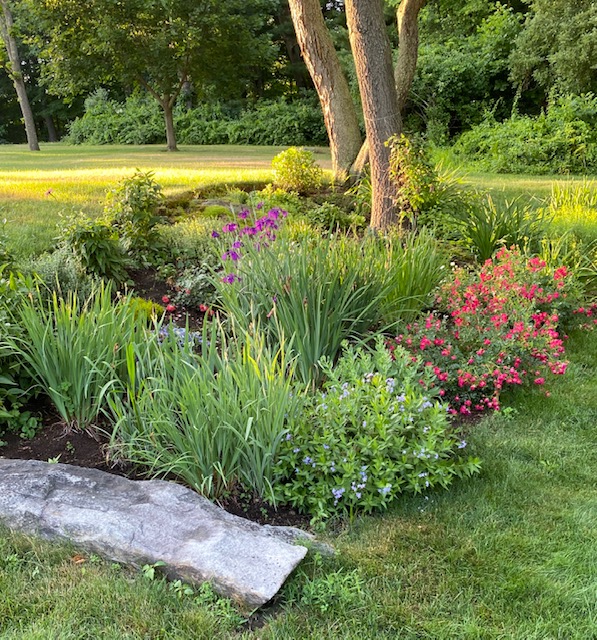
(37, 188)
(510, 554)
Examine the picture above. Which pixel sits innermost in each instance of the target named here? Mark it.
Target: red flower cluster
(495, 328)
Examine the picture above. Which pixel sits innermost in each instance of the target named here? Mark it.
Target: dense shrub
(139, 120)
(136, 121)
(295, 170)
(495, 327)
(561, 140)
(370, 434)
(131, 210)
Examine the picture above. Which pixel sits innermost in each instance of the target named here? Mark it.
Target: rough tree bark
(6, 32)
(373, 61)
(407, 15)
(339, 112)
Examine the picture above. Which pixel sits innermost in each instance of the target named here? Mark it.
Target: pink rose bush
(495, 328)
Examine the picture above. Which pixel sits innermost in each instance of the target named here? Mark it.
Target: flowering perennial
(497, 328)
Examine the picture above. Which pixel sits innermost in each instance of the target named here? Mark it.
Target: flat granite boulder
(143, 522)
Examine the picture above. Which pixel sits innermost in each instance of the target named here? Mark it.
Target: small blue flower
(307, 460)
(462, 444)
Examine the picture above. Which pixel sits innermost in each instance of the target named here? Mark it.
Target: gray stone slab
(143, 522)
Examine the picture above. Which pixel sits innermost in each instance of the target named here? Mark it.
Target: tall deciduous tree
(160, 45)
(15, 72)
(339, 112)
(373, 60)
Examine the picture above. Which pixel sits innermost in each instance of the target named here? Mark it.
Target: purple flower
(234, 255)
(215, 234)
(244, 214)
(237, 245)
(260, 205)
(273, 214)
(229, 228)
(230, 278)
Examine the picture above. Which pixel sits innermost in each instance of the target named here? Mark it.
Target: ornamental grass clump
(497, 327)
(371, 433)
(74, 349)
(213, 418)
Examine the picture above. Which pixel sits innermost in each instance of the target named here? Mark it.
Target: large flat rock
(143, 522)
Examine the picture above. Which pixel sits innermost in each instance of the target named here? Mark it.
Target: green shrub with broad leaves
(215, 418)
(296, 170)
(370, 434)
(139, 120)
(131, 210)
(61, 272)
(16, 385)
(563, 139)
(96, 244)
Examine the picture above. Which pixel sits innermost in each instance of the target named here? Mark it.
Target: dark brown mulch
(148, 285)
(83, 449)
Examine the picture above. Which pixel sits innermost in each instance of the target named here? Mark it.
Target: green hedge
(561, 140)
(139, 120)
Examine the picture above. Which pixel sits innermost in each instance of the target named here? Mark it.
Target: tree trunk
(407, 16)
(6, 31)
(373, 61)
(332, 87)
(51, 128)
(167, 106)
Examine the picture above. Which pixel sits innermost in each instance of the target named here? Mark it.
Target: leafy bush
(499, 327)
(561, 140)
(131, 209)
(195, 289)
(16, 386)
(61, 272)
(136, 121)
(279, 123)
(189, 243)
(214, 419)
(427, 194)
(369, 435)
(295, 170)
(139, 120)
(74, 349)
(331, 217)
(97, 245)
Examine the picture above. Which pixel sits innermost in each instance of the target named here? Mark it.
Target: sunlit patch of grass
(36, 188)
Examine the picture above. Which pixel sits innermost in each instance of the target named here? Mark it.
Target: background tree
(557, 48)
(160, 45)
(15, 71)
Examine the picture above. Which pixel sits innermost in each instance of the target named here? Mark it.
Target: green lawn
(36, 188)
(510, 554)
